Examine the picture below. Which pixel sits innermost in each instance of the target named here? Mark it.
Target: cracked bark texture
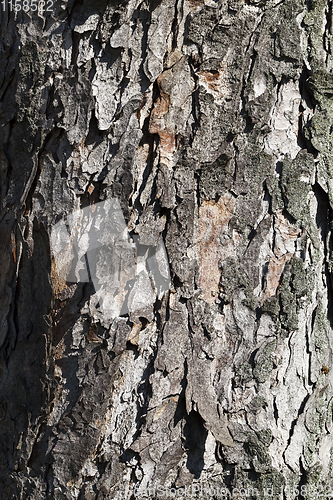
(211, 122)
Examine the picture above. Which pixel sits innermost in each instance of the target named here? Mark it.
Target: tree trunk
(206, 126)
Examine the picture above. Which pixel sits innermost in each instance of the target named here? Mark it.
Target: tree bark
(210, 124)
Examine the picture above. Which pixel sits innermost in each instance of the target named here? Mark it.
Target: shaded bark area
(211, 122)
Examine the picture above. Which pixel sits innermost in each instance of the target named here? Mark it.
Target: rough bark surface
(212, 124)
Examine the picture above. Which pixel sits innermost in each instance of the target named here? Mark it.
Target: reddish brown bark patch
(195, 3)
(212, 78)
(213, 221)
(58, 283)
(274, 274)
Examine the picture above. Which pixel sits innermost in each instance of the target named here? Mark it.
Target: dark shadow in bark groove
(323, 218)
(195, 438)
(83, 9)
(296, 420)
(229, 469)
(69, 367)
(145, 17)
(306, 95)
(180, 412)
(40, 457)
